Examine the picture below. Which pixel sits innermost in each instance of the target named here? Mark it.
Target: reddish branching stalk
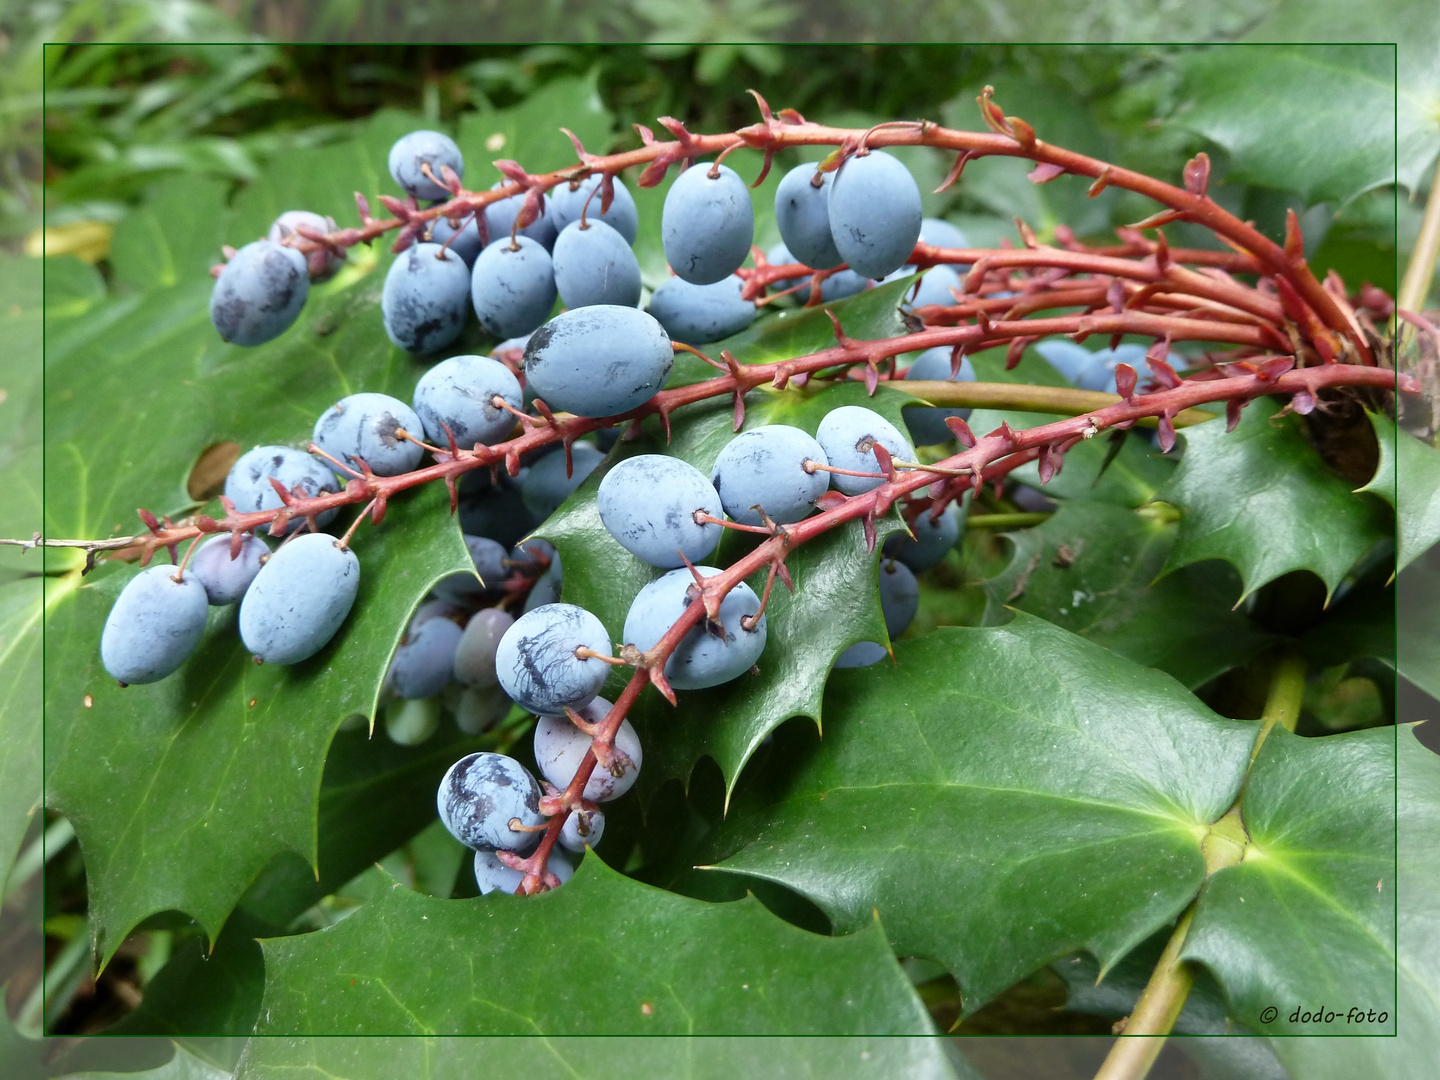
(1289, 335)
(1322, 317)
(998, 446)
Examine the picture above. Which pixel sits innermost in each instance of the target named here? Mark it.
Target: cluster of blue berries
(465, 650)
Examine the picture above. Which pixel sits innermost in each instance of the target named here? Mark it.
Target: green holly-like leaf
(1408, 478)
(835, 604)
(211, 773)
(650, 962)
(1262, 499)
(1326, 123)
(1415, 38)
(1091, 568)
(374, 797)
(1307, 918)
(1002, 797)
(1411, 1055)
(603, 1058)
(20, 516)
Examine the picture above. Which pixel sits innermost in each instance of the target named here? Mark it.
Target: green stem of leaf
(1059, 400)
(1155, 1013)
(1282, 706)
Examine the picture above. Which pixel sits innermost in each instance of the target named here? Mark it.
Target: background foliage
(154, 155)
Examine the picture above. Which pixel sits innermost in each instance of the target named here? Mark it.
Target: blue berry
(512, 286)
(500, 219)
(419, 148)
(154, 626)
(498, 512)
(779, 255)
(1066, 357)
(699, 314)
(481, 794)
(802, 212)
(845, 283)
(410, 721)
(475, 654)
(1100, 374)
(248, 485)
(423, 301)
(623, 217)
(322, 263)
(492, 875)
(225, 579)
(765, 466)
(935, 288)
(546, 486)
(458, 393)
(464, 241)
(594, 265)
(899, 602)
(933, 539)
(546, 590)
(926, 423)
(940, 233)
(708, 224)
(648, 503)
(874, 213)
(598, 361)
(424, 660)
(560, 746)
(848, 435)
(536, 661)
(299, 599)
(480, 708)
(368, 426)
(259, 293)
(711, 653)
(583, 828)
(488, 557)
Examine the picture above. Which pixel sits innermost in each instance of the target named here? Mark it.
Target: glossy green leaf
(1001, 797)
(1411, 1055)
(375, 796)
(20, 588)
(1318, 120)
(1307, 919)
(664, 964)
(1418, 646)
(1091, 568)
(210, 773)
(601, 1058)
(1415, 37)
(1408, 478)
(1263, 500)
(835, 604)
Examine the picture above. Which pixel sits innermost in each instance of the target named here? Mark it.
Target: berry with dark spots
(479, 797)
(259, 293)
(424, 299)
(874, 213)
(460, 394)
(765, 467)
(154, 625)
(708, 224)
(648, 503)
(598, 361)
(368, 426)
(560, 747)
(248, 485)
(848, 435)
(512, 286)
(802, 213)
(712, 652)
(536, 660)
(299, 599)
(432, 148)
(699, 314)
